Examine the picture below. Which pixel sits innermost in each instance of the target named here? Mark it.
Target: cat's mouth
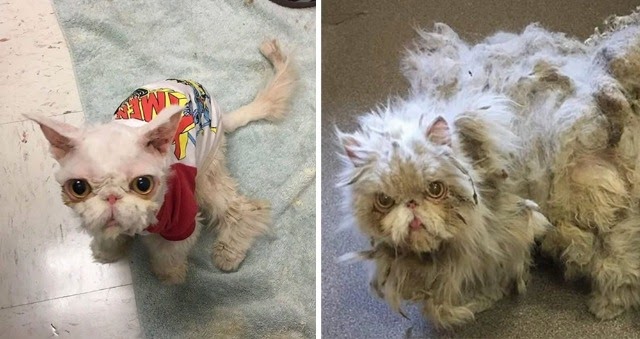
(416, 224)
(111, 223)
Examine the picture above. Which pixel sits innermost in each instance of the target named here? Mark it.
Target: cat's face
(408, 189)
(113, 175)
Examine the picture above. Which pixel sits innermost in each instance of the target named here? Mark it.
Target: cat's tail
(271, 102)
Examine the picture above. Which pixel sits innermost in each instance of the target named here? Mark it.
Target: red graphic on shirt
(146, 104)
(182, 136)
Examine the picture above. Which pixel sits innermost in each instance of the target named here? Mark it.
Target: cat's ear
(159, 133)
(353, 149)
(438, 132)
(61, 136)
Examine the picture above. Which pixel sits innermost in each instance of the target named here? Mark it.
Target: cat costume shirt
(199, 125)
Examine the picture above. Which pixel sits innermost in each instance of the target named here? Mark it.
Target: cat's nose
(112, 199)
(412, 204)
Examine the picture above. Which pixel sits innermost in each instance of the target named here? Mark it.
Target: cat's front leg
(240, 220)
(379, 274)
(108, 250)
(169, 258)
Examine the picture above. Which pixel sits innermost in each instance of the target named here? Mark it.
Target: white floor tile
(43, 254)
(101, 314)
(35, 65)
(47, 276)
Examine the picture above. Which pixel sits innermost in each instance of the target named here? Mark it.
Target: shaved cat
(159, 166)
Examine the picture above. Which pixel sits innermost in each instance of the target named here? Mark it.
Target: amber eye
(436, 190)
(77, 188)
(383, 202)
(142, 185)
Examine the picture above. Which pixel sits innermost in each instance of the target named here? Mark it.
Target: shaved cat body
(129, 177)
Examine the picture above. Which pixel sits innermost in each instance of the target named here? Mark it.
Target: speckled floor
(361, 46)
(49, 284)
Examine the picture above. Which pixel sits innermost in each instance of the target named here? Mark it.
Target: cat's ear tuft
(353, 149)
(61, 136)
(159, 133)
(438, 132)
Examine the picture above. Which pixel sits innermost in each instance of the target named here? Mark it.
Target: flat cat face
(407, 188)
(113, 175)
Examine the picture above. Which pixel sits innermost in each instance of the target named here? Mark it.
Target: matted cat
(158, 164)
(558, 115)
(434, 197)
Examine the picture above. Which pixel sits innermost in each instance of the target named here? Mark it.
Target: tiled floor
(49, 284)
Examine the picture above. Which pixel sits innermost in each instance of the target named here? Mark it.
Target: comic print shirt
(197, 137)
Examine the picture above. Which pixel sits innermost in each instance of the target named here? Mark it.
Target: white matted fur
(573, 112)
(110, 167)
(428, 182)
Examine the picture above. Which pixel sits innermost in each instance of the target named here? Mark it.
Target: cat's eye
(383, 202)
(436, 190)
(143, 184)
(77, 188)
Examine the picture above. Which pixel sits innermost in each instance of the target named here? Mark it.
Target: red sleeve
(177, 216)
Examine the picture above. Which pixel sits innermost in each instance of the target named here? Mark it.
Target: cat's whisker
(352, 257)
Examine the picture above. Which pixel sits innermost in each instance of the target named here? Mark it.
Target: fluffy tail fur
(272, 101)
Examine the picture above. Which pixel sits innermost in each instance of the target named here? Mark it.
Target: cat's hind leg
(616, 271)
(573, 246)
(240, 219)
(107, 250)
(597, 232)
(169, 258)
(482, 303)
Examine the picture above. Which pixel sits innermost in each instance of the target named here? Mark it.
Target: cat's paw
(521, 284)
(172, 275)
(480, 304)
(107, 251)
(447, 317)
(106, 257)
(376, 288)
(603, 309)
(225, 258)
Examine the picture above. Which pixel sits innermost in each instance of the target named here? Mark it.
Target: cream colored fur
(110, 166)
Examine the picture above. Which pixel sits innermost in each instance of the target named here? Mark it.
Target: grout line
(66, 296)
(49, 116)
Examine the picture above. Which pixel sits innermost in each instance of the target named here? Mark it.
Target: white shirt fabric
(199, 130)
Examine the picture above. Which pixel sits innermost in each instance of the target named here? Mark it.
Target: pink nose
(412, 204)
(112, 199)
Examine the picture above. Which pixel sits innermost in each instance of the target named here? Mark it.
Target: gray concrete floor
(362, 42)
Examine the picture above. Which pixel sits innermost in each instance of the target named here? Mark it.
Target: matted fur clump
(429, 182)
(447, 182)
